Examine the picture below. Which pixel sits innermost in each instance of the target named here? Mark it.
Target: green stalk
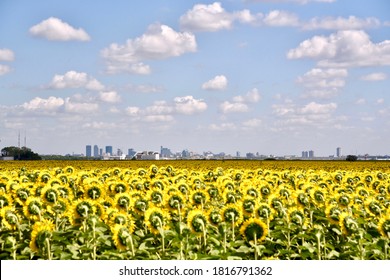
(256, 246)
(48, 248)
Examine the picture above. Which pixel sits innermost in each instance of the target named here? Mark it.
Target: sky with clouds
(270, 76)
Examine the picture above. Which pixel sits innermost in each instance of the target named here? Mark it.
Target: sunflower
(302, 200)
(199, 198)
(5, 200)
(384, 225)
(141, 205)
(296, 216)
(9, 217)
(344, 200)
(197, 221)
(213, 192)
(348, 224)
(33, 208)
(332, 213)
(22, 192)
(41, 231)
(121, 236)
(122, 201)
(232, 214)
(373, 207)
(49, 195)
(156, 219)
(94, 189)
(248, 205)
(264, 211)
(81, 209)
(318, 196)
(175, 202)
(214, 216)
(254, 229)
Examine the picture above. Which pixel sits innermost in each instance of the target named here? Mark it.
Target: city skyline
(274, 77)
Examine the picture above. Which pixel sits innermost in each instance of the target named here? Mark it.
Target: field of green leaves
(194, 210)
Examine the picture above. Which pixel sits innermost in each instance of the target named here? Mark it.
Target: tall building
(109, 150)
(95, 151)
(165, 152)
(311, 154)
(88, 151)
(305, 154)
(338, 152)
(131, 152)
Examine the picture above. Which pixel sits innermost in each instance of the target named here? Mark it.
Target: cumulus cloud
(109, 96)
(217, 83)
(341, 23)
(80, 107)
(347, 48)
(281, 18)
(188, 105)
(50, 104)
(373, 77)
(240, 103)
(73, 79)
(159, 42)
(312, 114)
(253, 96)
(213, 17)
(292, 1)
(55, 29)
(323, 83)
(6, 55)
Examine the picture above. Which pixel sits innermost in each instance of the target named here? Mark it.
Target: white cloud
(6, 55)
(373, 77)
(346, 48)
(217, 83)
(281, 18)
(4, 69)
(55, 29)
(109, 96)
(228, 107)
(292, 116)
(158, 118)
(340, 23)
(73, 79)
(133, 111)
(323, 83)
(253, 96)
(159, 42)
(188, 105)
(80, 108)
(360, 101)
(159, 108)
(222, 127)
(213, 17)
(51, 104)
(100, 125)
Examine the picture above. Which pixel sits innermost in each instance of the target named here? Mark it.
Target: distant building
(95, 151)
(147, 155)
(108, 150)
(338, 152)
(311, 154)
(165, 152)
(185, 154)
(88, 151)
(305, 154)
(100, 151)
(250, 155)
(131, 153)
(238, 154)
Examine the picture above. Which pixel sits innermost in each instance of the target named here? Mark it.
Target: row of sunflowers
(195, 211)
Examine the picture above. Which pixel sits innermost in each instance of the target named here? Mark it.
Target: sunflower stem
(48, 248)
(255, 236)
(132, 245)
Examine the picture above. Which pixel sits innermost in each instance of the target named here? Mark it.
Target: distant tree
(351, 158)
(23, 153)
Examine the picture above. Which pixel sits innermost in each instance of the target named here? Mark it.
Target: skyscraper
(95, 151)
(338, 152)
(109, 150)
(88, 151)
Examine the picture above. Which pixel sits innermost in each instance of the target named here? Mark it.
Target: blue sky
(269, 76)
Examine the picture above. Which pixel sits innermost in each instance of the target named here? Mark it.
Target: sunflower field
(187, 210)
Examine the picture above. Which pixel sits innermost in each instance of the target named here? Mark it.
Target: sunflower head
(33, 208)
(123, 201)
(254, 229)
(41, 231)
(49, 195)
(156, 219)
(199, 197)
(232, 214)
(121, 237)
(264, 212)
(214, 217)
(333, 214)
(141, 205)
(197, 221)
(9, 217)
(5, 200)
(175, 201)
(348, 224)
